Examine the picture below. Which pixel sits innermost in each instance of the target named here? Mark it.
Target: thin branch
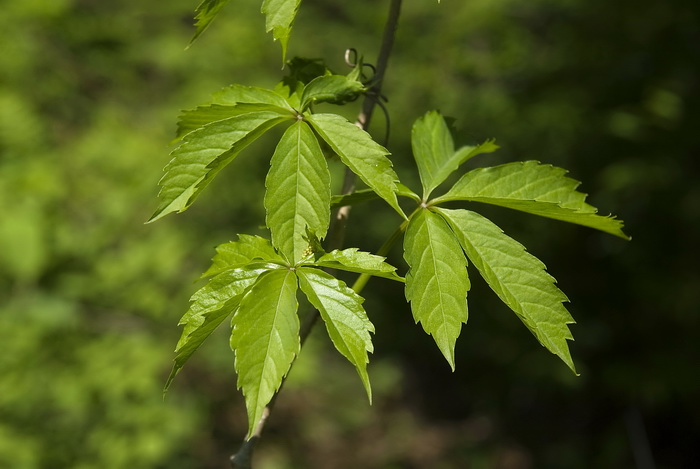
(243, 458)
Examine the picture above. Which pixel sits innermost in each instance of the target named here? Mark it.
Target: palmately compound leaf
(298, 191)
(279, 17)
(534, 188)
(346, 320)
(335, 89)
(361, 154)
(265, 339)
(437, 281)
(433, 149)
(235, 254)
(353, 260)
(203, 153)
(211, 305)
(205, 14)
(518, 278)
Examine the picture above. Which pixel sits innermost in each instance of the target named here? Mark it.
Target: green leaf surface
(433, 149)
(518, 278)
(210, 306)
(203, 153)
(205, 14)
(242, 252)
(298, 191)
(533, 188)
(279, 17)
(265, 339)
(361, 154)
(243, 94)
(353, 260)
(437, 281)
(346, 320)
(336, 89)
(192, 119)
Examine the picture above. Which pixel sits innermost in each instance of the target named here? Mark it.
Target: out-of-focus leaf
(265, 339)
(298, 191)
(346, 320)
(518, 278)
(437, 281)
(534, 188)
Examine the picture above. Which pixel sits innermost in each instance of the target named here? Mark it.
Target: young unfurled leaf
(279, 17)
(205, 14)
(345, 318)
(534, 188)
(336, 89)
(298, 191)
(437, 281)
(210, 306)
(517, 277)
(265, 339)
(360, 153)
(242, 252)
(434, 151)
(203, 153)
(353, 260)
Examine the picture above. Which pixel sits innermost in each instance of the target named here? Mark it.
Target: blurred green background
(90, 296)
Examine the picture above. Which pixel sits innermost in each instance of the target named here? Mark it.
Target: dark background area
(90, 296)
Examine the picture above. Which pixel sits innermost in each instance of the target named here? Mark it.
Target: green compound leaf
(210, 306)
(298, 191)
(437, 281)
(433, 149)
(361, 154)
(346, 320)
(265, 339)
(279, 17)
(518, 278)
(239, 253)
(335, 89)
(203, 153)
(205, 14)
(353, 260)
(534, 188)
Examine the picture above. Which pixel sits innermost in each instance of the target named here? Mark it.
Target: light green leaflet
(434, 151)
(353, 260)
(239, 253)
(360, 153)
(346, 321)
(298, 191)
(265, 339)
(437, 281)
(210, 306)
(279, 17)
(334, 89)
(205, 14)
(204, 152)
(534, 188)
(517, 277)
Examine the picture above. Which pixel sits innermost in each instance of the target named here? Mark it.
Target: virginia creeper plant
(256, 282)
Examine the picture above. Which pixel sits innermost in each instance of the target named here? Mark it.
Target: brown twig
(243, 458)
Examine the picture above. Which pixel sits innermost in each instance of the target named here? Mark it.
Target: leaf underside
(517, 277)
(298, 191)
(205, 14)
(346, 320)
(265, 339)
(534, 188)
(437, 281)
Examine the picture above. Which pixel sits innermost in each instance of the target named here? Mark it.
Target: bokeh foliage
(90, 297)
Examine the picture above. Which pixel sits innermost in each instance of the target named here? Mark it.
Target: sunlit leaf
(298, 191)
(360, 153)
(242, 252)
(354, 260)
(518, 278)
(203, 153)
(346, 321)
(211, 305)
(534, 188)
(265, 339)
(279, 17)
(437, 281)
